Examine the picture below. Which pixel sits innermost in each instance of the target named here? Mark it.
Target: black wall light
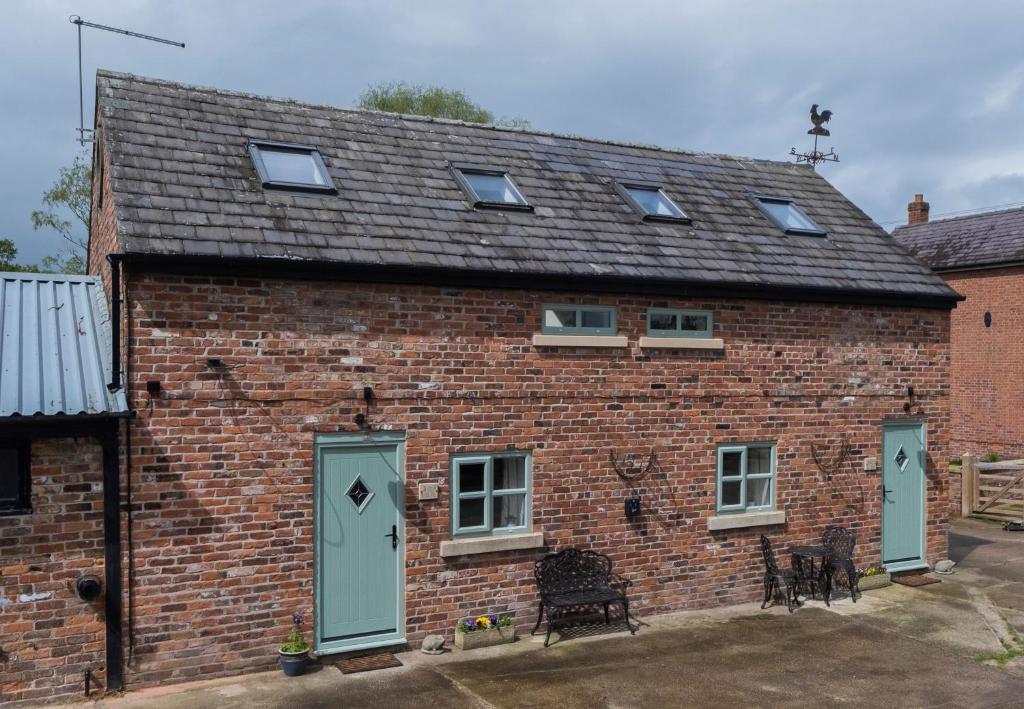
(988, 319)
(361, 419)
(153, 387)
(633, 505)
(910, 396)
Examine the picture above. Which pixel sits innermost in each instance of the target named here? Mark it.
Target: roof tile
(179, 160)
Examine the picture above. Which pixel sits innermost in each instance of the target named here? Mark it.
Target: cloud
(924, 93)
(1001, 94)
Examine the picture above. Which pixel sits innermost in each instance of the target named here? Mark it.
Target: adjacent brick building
(381, 364)
(981, 256)
(60, 623)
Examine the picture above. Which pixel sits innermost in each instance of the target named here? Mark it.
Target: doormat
(914, 580)
(366, 663)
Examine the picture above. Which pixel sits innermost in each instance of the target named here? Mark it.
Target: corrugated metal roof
(55, 346)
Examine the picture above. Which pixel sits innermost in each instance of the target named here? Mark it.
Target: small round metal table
(809, 572)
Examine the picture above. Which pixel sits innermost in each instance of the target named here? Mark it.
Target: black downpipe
(112, 559)
(112, 499)
(115, 322)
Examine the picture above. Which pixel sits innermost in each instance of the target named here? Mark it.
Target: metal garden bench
(572, 582)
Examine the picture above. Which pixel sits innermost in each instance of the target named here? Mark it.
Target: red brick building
(981, 256)
(381, 364)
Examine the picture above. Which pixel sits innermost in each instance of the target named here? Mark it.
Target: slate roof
(184, 185)
(55, 346)
(987, 239)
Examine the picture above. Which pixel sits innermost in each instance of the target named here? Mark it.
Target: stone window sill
(580, 341)
(682, 343)
(486, 545)
(746, 519)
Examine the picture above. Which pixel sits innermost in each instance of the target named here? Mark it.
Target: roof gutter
(989, 266)
(451, 277)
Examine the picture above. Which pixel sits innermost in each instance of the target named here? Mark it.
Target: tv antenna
(816, 156)
(85, 134)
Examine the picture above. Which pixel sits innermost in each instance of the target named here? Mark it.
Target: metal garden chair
(776, 579)
(839, 544)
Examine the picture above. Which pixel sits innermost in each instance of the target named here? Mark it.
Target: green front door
(903, 495)
(359, 545)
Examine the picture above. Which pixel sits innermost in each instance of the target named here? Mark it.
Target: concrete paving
(898, 646)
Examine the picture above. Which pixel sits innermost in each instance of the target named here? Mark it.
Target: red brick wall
(103, 225)
(987, 382)
(222, 461)
(48, 643)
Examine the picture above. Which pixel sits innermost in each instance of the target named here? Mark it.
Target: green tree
(70, 193)
(9, 256)
(60, 263)
(434, 101)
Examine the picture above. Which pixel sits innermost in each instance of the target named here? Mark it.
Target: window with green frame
(746, 477)
(579, 320)
(665, 322)
(490, 493)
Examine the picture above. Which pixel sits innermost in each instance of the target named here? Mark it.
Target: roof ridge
(442, 121)
(960, 217)
(38, 276)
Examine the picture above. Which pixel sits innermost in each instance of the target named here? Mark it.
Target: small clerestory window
(665, 322)
(579, 320)
(489, 187)
(286, 166)
(786, 215)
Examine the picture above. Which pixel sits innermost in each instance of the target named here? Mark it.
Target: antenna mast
(84, 134)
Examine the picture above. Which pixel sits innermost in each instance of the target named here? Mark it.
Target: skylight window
(651, 202)
(788, 216)
(489, 187)
(284, 166)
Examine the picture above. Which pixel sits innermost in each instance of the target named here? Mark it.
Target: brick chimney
(917, 211)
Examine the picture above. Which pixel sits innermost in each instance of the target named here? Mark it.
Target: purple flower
(297, 618)
(493, 617)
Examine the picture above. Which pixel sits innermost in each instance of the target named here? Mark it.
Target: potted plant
(484, 631)
(873, 577)
(294, 651)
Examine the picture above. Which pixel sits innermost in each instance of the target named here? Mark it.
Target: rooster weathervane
(816, 156)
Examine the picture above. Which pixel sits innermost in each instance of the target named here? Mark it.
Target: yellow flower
(483, 621)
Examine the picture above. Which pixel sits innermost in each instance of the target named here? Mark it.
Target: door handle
(394, 536)
(885, 493)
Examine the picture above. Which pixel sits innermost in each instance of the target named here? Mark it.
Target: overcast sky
(927, 96)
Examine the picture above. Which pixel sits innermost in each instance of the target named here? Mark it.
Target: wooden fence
(994, 490)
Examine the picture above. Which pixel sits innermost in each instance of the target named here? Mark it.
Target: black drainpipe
(115, 321)
(112, 499)
(112, 557)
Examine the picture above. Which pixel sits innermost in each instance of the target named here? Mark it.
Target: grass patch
(1011, 651)
(1000, 658)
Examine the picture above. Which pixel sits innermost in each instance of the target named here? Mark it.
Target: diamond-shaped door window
(359, 494)
(901, 458)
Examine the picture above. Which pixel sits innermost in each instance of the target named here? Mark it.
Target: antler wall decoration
(832, 465)
(630, 471)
